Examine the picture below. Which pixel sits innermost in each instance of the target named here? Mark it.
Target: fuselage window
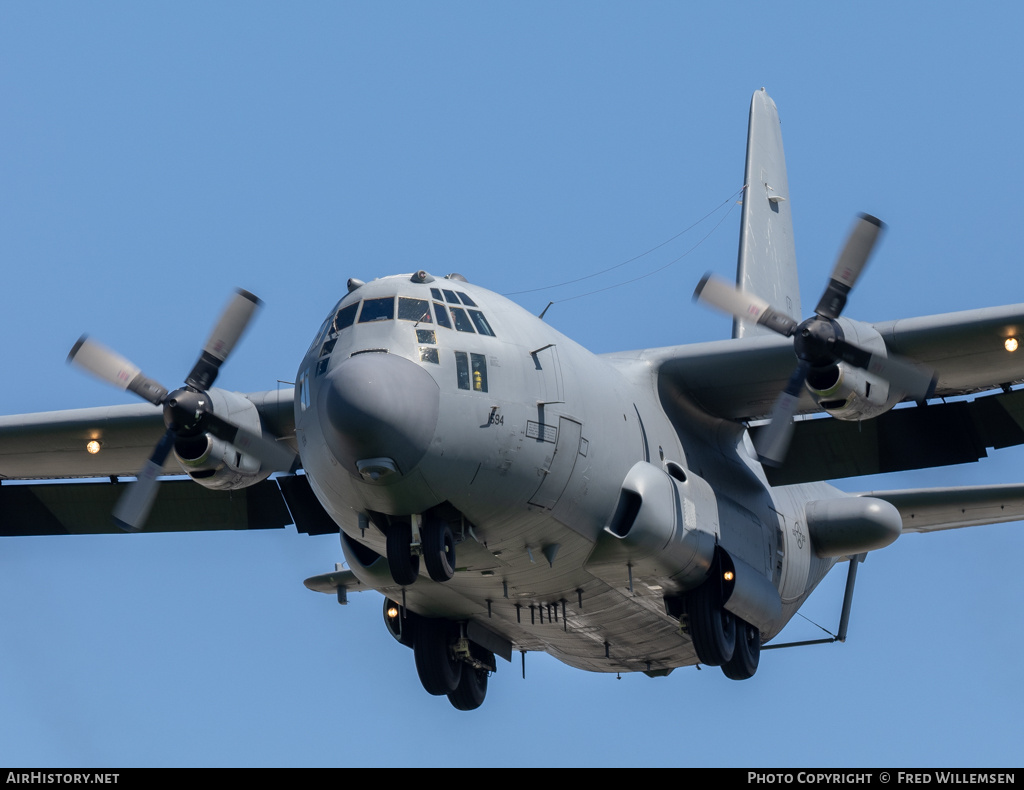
(442, 315)
(462, 322)
(377, 310)
(429, 354)
(479, 372)
(481, 323)
(471, 377)
(320, 334)
(417, 310)
(346, 317)
(466, 300)
(462, 369)
(450, 297)
(426, 336)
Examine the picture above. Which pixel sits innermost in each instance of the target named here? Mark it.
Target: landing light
(392, 612)
(93, 447)
(728, 576)
(1010, 344)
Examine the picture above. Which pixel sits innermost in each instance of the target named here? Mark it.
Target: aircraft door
(563, 461)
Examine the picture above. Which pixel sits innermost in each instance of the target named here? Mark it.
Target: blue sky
(157, 156)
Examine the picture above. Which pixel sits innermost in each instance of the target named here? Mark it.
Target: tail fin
(767, 257)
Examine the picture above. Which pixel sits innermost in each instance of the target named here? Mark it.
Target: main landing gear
(447, 663)
(720, 638)
(434, 540)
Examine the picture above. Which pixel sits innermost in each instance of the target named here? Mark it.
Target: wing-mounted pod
(215, 463)
(852, 525)
(663, 531)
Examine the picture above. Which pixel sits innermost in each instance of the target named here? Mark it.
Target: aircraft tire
(472, 688)
(439, 550)
(712, 628)
(439, 672)
(404, 565)
(743, 663)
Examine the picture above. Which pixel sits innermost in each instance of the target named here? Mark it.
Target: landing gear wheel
(439, 550)
(439, 672)
(472, 688)
(405, 566)
(743, 663)
(712, 628)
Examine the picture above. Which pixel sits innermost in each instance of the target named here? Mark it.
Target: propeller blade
(133, 507)
(915, 381)
(851, 263)
(742, 305)
(114, 369)
(774, 439)
(222, 340)
(272, 455)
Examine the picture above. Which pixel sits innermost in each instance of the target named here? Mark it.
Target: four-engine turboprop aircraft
(507, 490)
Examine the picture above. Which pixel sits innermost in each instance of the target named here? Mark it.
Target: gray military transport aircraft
(626, 512)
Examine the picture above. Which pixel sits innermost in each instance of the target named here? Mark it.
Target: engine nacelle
(212, 462)
(850, 393)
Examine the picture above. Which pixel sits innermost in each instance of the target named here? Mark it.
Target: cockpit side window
(482, 326)
(377, 310)
(450, 297)
(442, 315)
(462, 322)
(346, 317)
(466, 300)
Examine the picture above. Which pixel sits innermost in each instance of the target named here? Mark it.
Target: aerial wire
(673, 262)
(730, 199)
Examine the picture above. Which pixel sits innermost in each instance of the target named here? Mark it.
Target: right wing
(52, 445)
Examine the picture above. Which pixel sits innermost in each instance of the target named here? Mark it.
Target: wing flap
(181, 506)
(939, 434)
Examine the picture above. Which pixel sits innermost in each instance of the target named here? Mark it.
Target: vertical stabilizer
(767, 257)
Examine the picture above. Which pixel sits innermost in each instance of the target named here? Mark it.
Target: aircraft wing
(932, 509)
(52, 445)
(740, 379)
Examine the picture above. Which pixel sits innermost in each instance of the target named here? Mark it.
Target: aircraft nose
(379, 412)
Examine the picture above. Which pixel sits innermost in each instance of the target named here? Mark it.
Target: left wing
(932, 509)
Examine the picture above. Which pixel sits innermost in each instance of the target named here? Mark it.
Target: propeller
(818, 341)
(188, 412)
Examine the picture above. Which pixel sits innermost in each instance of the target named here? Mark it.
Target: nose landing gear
(429, 536)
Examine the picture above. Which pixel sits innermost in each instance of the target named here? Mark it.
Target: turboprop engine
(852, 393)
(215, 463)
